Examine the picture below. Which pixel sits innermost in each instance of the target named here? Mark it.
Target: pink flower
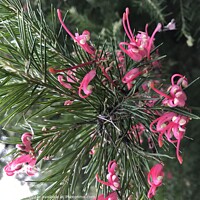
(82, 40)
(111, 196)
(155, 177)
(26, 140)
(113, 180)
(24, 161)
(176, 96)
(171, 125)
(131, 76)
(140, 45)
(87, 89)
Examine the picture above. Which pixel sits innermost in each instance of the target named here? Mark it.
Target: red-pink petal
(85, 82)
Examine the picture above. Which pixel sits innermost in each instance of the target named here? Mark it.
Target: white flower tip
(82, 41)
(114, 177)
(115, 184)
(182, 122)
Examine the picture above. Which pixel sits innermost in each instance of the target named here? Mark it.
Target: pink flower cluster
(140, 45)
(169, 125)
(172, 126)
(113, 180)
(82, 40)
(26, 161)
(176, 96)
(138, 48)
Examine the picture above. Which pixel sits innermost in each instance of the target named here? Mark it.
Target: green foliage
(156, 9)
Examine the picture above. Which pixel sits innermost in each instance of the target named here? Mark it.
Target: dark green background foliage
(182, 47)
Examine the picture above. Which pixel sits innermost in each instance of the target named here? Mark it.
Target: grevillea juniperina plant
(102, 115)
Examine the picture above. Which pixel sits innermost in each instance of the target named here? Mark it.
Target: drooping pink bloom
(172, 125)
(111, 196)
(26, 162)
(155, 177)
(176, 96)
(84, 86)
(82, 40)
(140, 45)
(113, 180)
(131, 76)
(26, 140)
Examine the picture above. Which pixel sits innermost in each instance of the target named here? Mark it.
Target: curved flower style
(170, 124)
(182, 81)
(176, 96)
(111, 196)
(113, 180)
(87, 89)
(61, 81)
(82, 40)
(26, 140)
(140, 45)
(155, 177)
(24, 161)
